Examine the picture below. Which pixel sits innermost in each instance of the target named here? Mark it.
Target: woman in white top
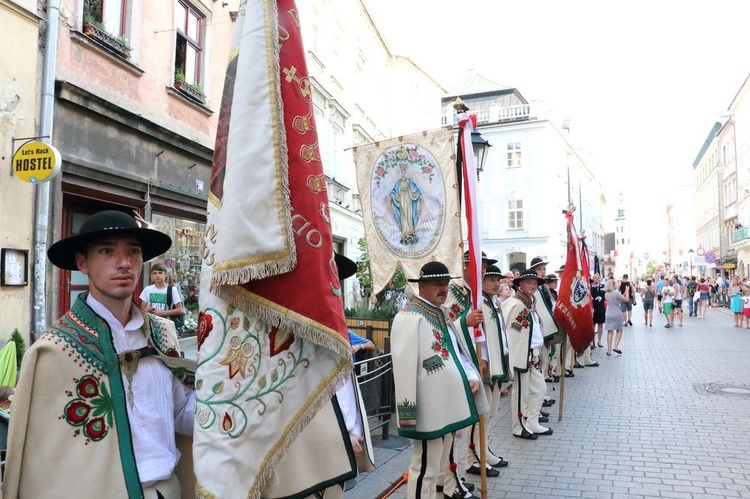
(679, 293)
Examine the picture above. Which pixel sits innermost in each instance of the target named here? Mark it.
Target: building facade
(532, 173)
(737, 184)
(362, 93)
(708, 175)
(19, 65)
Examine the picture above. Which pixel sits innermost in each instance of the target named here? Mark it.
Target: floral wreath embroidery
(440, 345)
(522, 320)
(91, 410)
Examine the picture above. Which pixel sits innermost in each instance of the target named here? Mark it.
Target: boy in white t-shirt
(154, 297)
(667, 293)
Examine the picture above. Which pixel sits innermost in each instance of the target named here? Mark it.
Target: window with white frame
(189, 29)
(108, 22)
(514, 154)
(515, 214)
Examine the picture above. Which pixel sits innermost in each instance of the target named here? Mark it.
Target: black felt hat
(433, 271)
(529, 274)
(493, 270)
(108, 223)
(536, 261)
(345, 266)
(489, 261)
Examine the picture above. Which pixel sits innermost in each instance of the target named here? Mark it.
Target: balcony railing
(497, 115)
(741, 234)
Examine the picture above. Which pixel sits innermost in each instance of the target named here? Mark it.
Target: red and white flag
(574, 309)
(466, 125)
(273, 346)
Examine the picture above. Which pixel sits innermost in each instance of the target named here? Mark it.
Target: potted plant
(193, 91)
(95, 30)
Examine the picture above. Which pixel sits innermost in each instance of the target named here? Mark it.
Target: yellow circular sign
(36, 162)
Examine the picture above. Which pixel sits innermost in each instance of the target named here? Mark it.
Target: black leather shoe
(548, 432)
(458, 494)
(467, 485)
(548, 379)
(548, 403)
(578, 365)
(556, 379)
(594, 364)
(525, 435)
(569, 374)
(502, 464)
(476, 470)
(543, 419)
(545, 414)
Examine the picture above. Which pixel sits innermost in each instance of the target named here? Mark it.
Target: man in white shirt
(115, 374)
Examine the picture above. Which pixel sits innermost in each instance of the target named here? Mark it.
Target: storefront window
(183, 260)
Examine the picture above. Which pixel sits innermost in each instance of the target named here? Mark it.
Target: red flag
(574, 310)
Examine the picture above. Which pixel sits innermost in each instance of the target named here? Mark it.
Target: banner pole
(563, 348)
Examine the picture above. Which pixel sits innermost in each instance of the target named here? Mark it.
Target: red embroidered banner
(273, 345)
(574, 309)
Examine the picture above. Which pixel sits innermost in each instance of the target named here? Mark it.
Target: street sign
(36, 162)
(710, 257)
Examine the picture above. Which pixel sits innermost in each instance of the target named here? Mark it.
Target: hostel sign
(36, 162)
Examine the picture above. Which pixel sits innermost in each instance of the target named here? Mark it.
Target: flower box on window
(116, 45)
(191, 91)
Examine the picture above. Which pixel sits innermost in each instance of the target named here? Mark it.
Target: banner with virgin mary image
(410, 209)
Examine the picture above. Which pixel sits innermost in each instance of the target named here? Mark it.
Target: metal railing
(375, 380)
(740, 234)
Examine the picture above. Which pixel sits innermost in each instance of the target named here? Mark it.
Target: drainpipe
(42, 194)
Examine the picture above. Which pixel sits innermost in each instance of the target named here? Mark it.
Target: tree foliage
(387, 302)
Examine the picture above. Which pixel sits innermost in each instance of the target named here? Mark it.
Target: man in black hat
(525, 342)
(104, 390)
(545, 309)
(433, 375)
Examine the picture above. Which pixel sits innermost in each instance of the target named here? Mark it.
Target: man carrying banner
(525, 342)
(496, 345)
(438, 389)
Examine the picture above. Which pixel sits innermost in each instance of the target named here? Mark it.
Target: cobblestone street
(668, 418)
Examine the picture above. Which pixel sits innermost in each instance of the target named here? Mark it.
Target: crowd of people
(439, 349)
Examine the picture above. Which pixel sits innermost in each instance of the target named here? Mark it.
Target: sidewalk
(668, 418)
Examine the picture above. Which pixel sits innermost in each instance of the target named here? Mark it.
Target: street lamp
(478, 143)
(481, 147)
(690, 252)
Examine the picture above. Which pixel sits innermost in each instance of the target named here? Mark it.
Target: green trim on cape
(430, 311)
(107, 349)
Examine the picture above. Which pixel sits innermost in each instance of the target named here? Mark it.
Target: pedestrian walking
(600, 309)
(667, 298)
(679, 293)
(746, 306)
(704, 291)
(614, 319)
(735, 299)
(648, 295)
(627, 307)
(692, 303)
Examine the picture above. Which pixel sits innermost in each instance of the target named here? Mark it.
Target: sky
(642, 82)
